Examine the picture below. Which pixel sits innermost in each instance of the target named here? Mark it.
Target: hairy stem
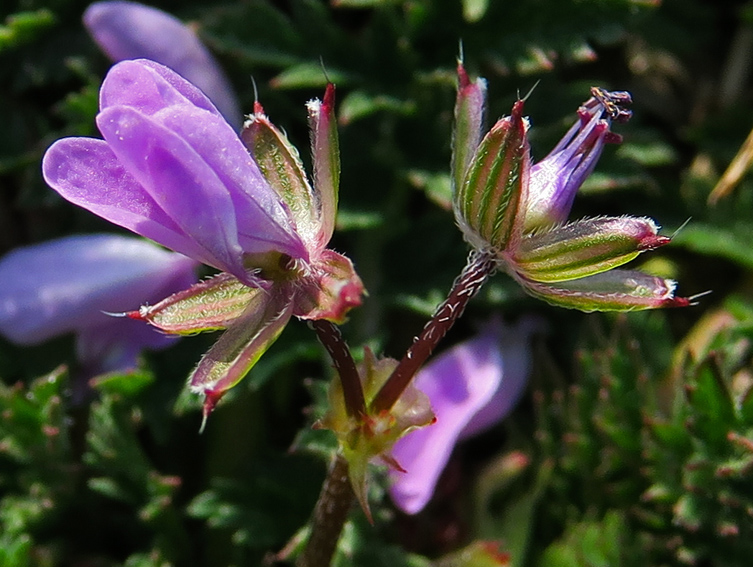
(329, 516)
(479, 267)
(329, 335)
(336, 496)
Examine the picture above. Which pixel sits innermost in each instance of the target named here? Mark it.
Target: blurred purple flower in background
(472, 386)
(68, 286)
(129, 30)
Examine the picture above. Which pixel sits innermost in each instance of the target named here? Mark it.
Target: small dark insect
(614, 102)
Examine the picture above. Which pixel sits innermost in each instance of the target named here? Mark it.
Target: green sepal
(616, 290)
(469, 121)
(325, 149)
(241, 346)
(487, 202)
(280, 163)
(366, 437)
(585, 247)
(209, 305)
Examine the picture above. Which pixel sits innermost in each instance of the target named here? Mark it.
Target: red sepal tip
(211, 399)
(677, 302)
(463, 79)
(653, 241)
(329, 96)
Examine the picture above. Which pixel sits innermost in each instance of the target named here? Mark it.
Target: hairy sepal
(241, 346)
(330, 290)
(616, 290)
(585, 247)
(281, 166)
(488, 201)
(325, 149)
(209, 305)
(469, 121)
(364, 438)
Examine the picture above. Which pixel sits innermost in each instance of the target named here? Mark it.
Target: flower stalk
(329, 516)
(332, 340)
(480, 266)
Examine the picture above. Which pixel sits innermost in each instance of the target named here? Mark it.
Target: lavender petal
(128, 30)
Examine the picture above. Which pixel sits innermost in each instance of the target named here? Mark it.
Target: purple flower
(515, 212)
(471, 387)
(171, 169)
(128, 30)
(70, 284)
(556, 179)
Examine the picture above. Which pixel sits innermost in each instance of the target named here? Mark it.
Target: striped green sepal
(487, 203)
(469, 121)
(280, 164)
(616, 290)
(585, 247)
(210, 305)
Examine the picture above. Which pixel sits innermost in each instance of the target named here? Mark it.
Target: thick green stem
(478, 269)
(329, 516)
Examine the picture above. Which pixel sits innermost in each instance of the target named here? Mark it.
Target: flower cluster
(171, 169)
(513, 213)
(516, 211)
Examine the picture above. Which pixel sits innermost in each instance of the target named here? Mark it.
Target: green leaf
(437, 186)
(33, 427)
(24, 27)
(474, 10)
(127, 385)
(650, 154)
(590, 544)
(308, 75)
(358, 220)
(732, 243)
(251, 509)
(16, 551)
(359, 104)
